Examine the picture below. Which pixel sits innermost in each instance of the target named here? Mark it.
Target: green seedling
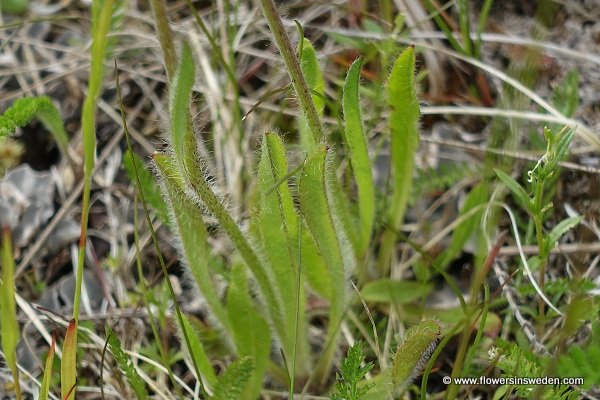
(543, 170)
(352, 371)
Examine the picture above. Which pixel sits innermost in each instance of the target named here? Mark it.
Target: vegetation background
(344, 200)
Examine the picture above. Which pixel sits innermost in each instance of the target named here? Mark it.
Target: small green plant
(285, 245)
(352, 371)
(24, 110)
(536, 206)
(515, 361)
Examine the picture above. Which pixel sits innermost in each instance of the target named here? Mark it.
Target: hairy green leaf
(277, 221)
(182, 134)
(189, 226)
(358, 152)
(314, 80)
(413, 353)
(315, 208)
(404, 139)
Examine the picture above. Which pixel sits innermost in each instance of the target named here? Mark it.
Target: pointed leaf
(356, 141)
(390, 291)
(45, 387)
(68, 366)
(314, 80)
(516, 189)
(189, 226)
(315, 208)
(412, 355)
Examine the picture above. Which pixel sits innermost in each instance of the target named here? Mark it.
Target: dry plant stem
(293, 67)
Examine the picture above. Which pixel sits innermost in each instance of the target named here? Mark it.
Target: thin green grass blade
(465, 26)
(358, 152)
(45, 387)
(188, 225)
(316, 211)
(9, 327)
(251, 331)
(314, 80)
(481, 24)
(126, 365)
(68, 365)
(404, 130)
(24, 110)
(277, 221)
(209, 378)
(444, 27)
